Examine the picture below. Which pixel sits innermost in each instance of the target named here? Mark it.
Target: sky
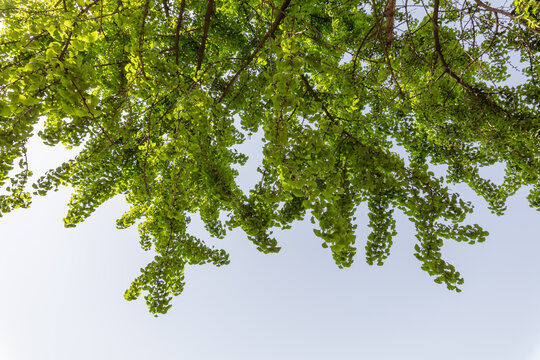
(62, 292)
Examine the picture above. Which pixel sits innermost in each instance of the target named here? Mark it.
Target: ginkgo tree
(158, 94)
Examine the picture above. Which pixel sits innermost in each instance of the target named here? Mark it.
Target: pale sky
(62, 293)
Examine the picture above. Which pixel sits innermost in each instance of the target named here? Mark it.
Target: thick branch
(475, 92)
(166, 8)
(385, 47)
(492, 9)
(177, 31)
(269, 33)
(438, 50)
(390, 13)
(206, 25)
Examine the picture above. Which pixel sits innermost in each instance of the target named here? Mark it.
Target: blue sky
(62, 293)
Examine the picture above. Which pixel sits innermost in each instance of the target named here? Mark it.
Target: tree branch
(438, 50)
(80, 93)
(64, 50)
(269, 33)
(68, 40)
(101, 17)
(206, 25)
(362, 44)
(492, 9)
(166, 8)
(141, 37)
(177, 30)
(390, 13)
(330, 116)
(384, 45)
(505, 13)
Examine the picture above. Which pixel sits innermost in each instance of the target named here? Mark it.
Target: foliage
(529, 10)
(159, 93)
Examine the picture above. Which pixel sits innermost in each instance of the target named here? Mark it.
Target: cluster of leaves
(530, 11)
(150, 90)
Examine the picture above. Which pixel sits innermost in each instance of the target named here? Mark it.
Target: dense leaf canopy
(159, 93)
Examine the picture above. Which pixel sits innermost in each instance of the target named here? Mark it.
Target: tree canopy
(159, 93)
